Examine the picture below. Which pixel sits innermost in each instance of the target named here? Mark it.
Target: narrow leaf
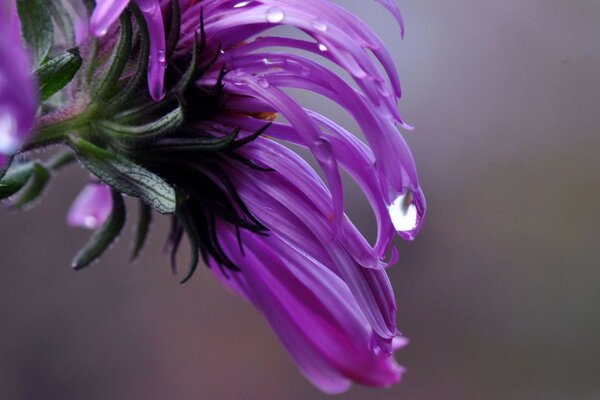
(36, 28)
(139, 76)
(191, 71)
(56, 73)
(142, 229)
(160, 127)
(104, 236)
(197, 143)
(192, 235)
(15, 179)
(126, 176)
(37, 183)
(118, 59)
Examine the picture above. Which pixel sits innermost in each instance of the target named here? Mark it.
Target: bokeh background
(500, 294)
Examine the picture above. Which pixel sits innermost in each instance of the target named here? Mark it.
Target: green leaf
(118, 60)
(55, 74)
(142, 229)
(195, 144)
(185, 218)
(126, 176)
(105, 236)
(38, 181)
(139, 76)
(162, 126)
(190, 73)
(36, 28)
(15, 179)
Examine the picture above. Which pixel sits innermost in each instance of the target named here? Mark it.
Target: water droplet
(8, 132)
(319, 25)
(90, 221)
(263, 83)
(275, 15)
(161, 56)
(322, 47)
(101, 32)
(406, 215)
(241, 4)
(322, 150)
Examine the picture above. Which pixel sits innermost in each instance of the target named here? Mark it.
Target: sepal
(56, 73)
(37, 29)
(19, 176)
(142, 229)
(105, 236)
(126, 176)
(38, 181)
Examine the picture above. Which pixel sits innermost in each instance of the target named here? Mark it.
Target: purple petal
(312, 311)
(157, 62)
(105, 14)
(91, 207)
(18, 99)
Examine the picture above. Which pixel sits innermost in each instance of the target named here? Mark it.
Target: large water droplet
(322, 47)
(322, 150)
(8, 132)
(161, 56)
(406, 215)
(275, 15)
(241, 4)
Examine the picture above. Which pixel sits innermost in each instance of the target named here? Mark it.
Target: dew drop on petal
(322, 47)
(319, 25)
(322, 150)
(275, 15)
(8, 132)
(263, 83)
(90, 222)
(241, 4)
(405, 215)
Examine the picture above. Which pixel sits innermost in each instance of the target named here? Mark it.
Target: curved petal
(312, 312)
(91, 207)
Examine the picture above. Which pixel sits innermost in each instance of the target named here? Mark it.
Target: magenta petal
(18, 98)
(91, 208)
(157, 63)
(105, 14)
(313, 313)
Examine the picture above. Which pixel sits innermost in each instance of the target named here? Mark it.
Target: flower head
(211, 144)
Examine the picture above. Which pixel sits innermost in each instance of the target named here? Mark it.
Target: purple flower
(91, 207)
(319, 283)
(108, 11)
(212, 145)
(18, 100)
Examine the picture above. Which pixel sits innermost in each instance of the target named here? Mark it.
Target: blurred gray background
(500, 294)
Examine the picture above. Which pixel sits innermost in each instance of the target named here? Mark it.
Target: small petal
(105, 14)
(91, 207)
(157, 62)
